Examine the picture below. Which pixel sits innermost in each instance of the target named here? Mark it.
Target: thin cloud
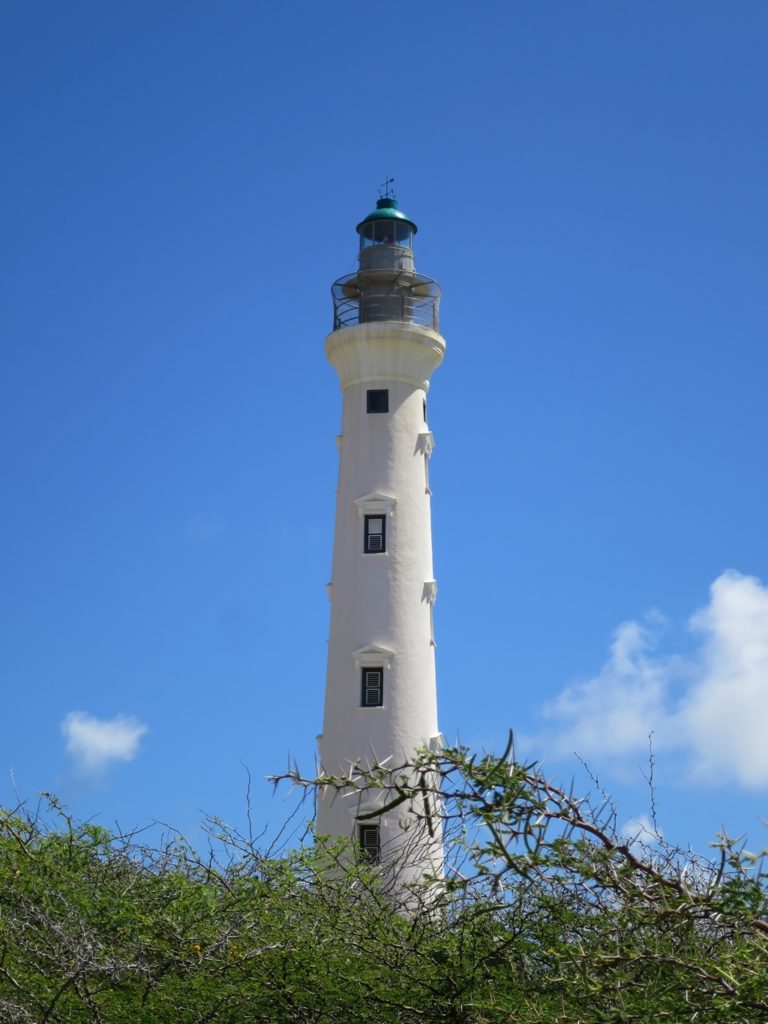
(97, 743)
(710, 707)
(640, 833)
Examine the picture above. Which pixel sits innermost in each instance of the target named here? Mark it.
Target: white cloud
(614, 712)
(640, 832)
(710, 707)
(95, 743)
(725, 714)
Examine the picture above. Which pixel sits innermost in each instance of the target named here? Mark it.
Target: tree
(586, 924)
(545, 915)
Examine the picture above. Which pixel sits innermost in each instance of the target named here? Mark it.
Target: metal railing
(377, 298)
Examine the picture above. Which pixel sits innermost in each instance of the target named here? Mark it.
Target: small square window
(375, 541)
(373, 688)
(369, 838)
(377, 401)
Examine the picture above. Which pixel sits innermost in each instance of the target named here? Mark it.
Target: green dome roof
(387, 209)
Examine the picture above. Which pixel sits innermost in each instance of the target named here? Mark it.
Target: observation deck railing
(371, 297)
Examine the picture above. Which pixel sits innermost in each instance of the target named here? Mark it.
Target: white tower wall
(382, 602)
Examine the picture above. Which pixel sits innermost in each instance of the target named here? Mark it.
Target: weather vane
(386, 191)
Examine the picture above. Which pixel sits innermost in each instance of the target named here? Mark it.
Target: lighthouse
(381, 696)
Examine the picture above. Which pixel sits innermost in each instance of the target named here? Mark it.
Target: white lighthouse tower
(381, 700)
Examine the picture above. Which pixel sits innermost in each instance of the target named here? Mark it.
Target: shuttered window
(375, 540)
(369, 838)
(373, 687)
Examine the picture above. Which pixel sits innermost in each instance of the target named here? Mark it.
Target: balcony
(377, 296)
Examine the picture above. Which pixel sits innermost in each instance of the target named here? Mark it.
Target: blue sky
(180, 186)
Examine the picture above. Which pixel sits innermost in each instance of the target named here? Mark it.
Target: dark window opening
(375, 535)
(424, 406)
(369, 838)
(377, 401)
(373, 688)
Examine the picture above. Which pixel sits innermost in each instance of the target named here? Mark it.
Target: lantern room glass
(386, 232)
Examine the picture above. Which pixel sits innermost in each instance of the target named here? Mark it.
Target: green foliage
(546, 917)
